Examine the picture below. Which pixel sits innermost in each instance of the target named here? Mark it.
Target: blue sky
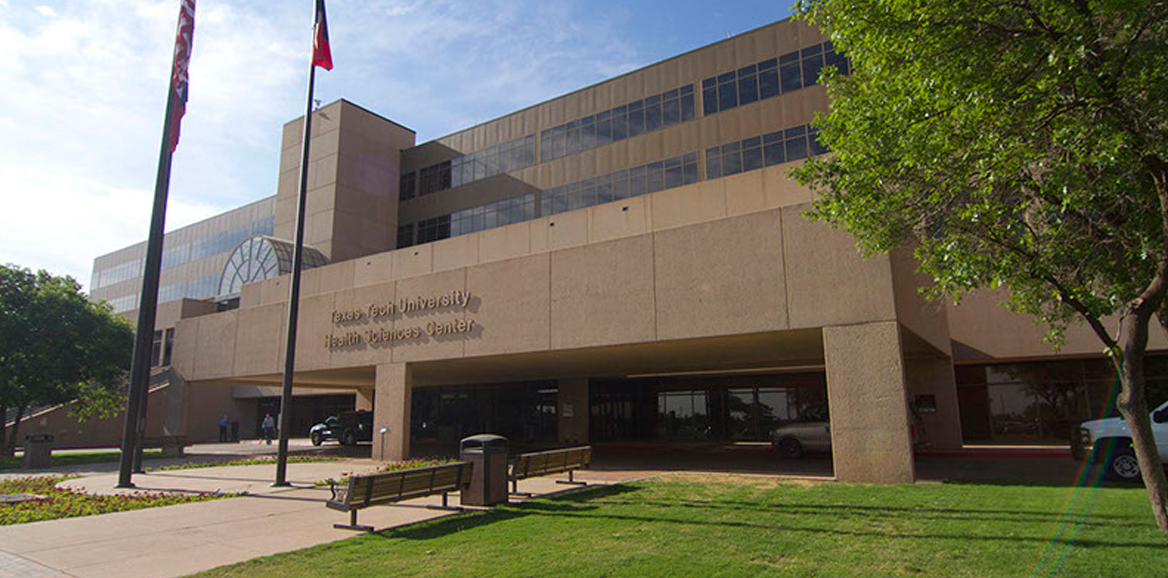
(84, 87)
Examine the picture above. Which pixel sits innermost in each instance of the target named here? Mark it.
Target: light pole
(383, 431)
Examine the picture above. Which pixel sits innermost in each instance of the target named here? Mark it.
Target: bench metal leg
(515, 490)
(445, 505)
(571, 481)
(352, 525)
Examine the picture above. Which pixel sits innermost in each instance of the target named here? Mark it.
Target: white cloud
(44, 11)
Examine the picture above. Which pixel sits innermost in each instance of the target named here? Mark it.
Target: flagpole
(147, 309)
(285, 424)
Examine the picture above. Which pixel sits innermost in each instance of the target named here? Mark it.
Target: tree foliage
(1017, 143)
(57, 346)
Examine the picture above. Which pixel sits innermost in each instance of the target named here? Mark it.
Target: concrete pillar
(933, 376)
(174, 421)
(364, 399)
(573, 411)
(867, 397)
(392, 410)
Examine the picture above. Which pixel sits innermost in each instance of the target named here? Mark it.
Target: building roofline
(361, 108)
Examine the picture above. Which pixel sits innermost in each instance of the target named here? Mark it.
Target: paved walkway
(179, 540)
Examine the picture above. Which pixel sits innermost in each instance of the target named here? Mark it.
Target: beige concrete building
(625, 264)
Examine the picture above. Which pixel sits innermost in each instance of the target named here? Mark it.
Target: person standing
(269, 425)
(235, 430)
(223, 423)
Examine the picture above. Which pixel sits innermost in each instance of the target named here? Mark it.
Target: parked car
(348, 428)
(810, 433)
(1108, 440)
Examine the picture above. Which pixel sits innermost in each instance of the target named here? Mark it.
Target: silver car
(810, 433)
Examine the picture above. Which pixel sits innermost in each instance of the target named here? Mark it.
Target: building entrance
(524, 413)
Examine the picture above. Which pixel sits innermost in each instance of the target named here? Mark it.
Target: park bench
(386, 488)
(171, 446)
(543, 463)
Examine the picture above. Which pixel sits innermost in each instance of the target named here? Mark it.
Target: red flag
(182, 59)
(321, 55)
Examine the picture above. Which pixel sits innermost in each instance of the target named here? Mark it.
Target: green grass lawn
(77, 458)
(701, 526)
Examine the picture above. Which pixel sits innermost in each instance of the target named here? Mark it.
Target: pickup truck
(1108, 440)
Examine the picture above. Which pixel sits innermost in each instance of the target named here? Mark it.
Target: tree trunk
(3, 430)
(1133, 405)
(10, 449)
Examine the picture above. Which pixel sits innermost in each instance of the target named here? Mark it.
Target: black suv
(348, 428)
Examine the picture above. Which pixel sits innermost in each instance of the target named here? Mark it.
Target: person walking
(223, 423)
(269, 425)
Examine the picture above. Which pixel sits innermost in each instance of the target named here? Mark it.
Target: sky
(83, 91)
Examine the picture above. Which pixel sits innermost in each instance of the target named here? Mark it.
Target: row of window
(496, 160)
(746, 155)
(187, 252)
(123, 304)
(763, 151)
(466, 221)
(633, 182)
(789, 72)
(626, 121)
(771, 77)
(434, 178)
(117, 274)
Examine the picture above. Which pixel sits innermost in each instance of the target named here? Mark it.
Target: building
(627, 263)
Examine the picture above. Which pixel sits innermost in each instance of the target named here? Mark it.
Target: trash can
(488, 484)
(38, 451)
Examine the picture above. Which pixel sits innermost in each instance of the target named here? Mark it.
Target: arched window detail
(262, 257)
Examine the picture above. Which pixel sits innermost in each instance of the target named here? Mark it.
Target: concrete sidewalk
(179, 540)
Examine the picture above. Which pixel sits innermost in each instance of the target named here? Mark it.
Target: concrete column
(867, 397)
(364, 399)
(941, 429)
(174, 421)
(392, 410)
(573, 411)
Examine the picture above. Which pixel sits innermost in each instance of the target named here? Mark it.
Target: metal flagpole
(285, 424)
(148, 299)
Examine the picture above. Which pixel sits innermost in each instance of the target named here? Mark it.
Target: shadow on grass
(608, 503)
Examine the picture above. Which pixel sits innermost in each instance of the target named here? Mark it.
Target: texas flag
(321, 55)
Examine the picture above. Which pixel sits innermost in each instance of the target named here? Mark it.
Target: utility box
(38, 451)
(488, 484)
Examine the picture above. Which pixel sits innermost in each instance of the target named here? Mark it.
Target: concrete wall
(766, 271)
(353, 173)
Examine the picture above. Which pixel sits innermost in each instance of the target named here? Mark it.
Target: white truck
(1108, 441)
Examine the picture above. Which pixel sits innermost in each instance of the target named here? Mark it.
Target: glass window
(636, 123)
(812, 64)
(791, 77)
(747, 87)
(768, 78)
(713, 163)
(652, 116)
(406, 186)
(710, 99)
(169, 346)
(727, 96)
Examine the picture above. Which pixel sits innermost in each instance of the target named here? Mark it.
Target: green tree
(1020, 144)
(57, 346)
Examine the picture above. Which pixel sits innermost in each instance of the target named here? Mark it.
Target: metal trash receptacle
(488, 483)
(38, 451)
